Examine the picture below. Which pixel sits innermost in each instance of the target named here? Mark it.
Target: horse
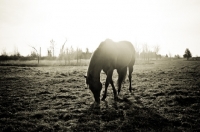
(108, 56)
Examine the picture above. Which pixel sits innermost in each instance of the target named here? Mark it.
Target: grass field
(165, 97)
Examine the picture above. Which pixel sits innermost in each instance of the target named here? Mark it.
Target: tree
(145, 52)
(170, 56)
(3, 56)
(16, 52)
(33, 54)
(187, 54)
(156, 50)
(87, 54)
(177, 56)
(37, 53)
(3, 53)
(68, 55)
(52, 46)
(62, 52)
(49, 53)
(78, 54)
(87, 50)
(137, 50)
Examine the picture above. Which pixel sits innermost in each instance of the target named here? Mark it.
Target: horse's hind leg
(114, 90)
(122, 75)
(130, 77)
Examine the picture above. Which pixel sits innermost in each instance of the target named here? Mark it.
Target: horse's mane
(93, 61)
(97, 56)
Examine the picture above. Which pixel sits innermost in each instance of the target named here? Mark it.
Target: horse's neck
(95, 69)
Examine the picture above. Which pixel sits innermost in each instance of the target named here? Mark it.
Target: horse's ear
(85, 77)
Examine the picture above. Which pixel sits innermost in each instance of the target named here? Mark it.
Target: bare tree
(177, 56)
(62, 52)
(156, 50)
(77, 55)
(37, 53)
(71, 52)
(87, 50)
(62, 49)
(137, 50)
(52, 46)
(49, 54)
(33, 54)
(4, 52)
(68, 55)
(16, 52)
(170, 55)
(87, 54)
(146, 51)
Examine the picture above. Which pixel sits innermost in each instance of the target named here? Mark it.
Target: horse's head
(95, 86)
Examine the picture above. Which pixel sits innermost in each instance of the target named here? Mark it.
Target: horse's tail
(122, 76)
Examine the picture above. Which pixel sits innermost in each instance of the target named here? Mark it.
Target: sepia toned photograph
(99, 65)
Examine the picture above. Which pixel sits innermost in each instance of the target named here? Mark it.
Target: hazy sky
(174, 25)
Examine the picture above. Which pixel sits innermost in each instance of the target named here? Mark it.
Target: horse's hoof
(103, 99)
(96, 105)
(130, 89)
(116, 98)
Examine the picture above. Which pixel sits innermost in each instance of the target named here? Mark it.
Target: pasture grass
(165, 97)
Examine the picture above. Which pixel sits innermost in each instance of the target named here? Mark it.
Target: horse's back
(126, 54)
(120, 54)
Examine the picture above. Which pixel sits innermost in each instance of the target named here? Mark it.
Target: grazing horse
(108, 56)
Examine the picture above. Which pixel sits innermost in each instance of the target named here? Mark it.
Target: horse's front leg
(130, 77)
(108, 80)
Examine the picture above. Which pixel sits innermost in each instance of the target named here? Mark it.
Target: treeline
(71, 54)
(66, 55)
(143, 52)
(11, 57)
(22, 58)
(147, 53)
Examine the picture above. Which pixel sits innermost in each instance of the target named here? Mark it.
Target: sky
(173, 25)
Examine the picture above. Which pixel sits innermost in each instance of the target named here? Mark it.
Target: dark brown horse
(107, 57)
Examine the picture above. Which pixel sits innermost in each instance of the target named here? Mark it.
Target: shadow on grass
(122, 115)
(89, 120)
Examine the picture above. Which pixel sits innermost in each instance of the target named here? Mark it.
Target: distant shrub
(187, 54)
(4, 57)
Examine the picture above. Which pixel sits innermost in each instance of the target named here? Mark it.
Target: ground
(165, 97)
